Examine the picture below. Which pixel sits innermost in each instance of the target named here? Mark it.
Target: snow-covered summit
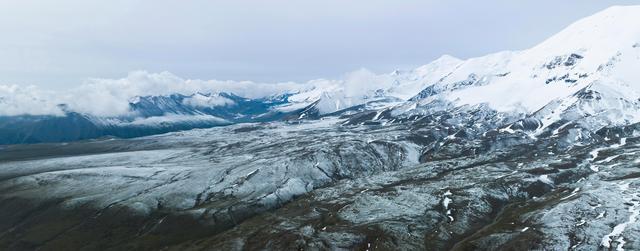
(603, 49)
(600, 48)
(597, 36)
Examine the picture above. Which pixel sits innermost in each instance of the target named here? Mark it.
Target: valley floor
(318, 186)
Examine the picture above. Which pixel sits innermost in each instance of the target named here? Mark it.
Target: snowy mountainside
(599, 50)
(554, 80)
(528, 150)
(148, 115)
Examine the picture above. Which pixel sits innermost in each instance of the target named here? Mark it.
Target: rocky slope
(528, 150)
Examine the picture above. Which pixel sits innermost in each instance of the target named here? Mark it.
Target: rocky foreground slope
(412, 185)
(536, 149)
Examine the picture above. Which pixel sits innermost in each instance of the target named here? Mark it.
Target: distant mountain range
(585, 74)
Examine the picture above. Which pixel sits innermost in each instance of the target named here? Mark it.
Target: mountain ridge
(599, 50)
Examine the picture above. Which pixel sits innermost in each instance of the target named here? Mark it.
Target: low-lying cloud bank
(16, 100)
(111, 97)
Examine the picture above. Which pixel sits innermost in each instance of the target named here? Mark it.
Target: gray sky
(59, 44)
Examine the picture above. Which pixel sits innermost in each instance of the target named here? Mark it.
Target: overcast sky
(59, 44)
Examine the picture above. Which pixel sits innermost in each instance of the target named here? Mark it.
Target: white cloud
(199, 100)
(363, 81)
(111, 97)
(16, 100)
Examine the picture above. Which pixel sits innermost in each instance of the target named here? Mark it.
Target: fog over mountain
(111, 97)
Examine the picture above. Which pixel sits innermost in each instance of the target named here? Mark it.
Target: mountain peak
(602, 48)
(604, 32)
(446, 58)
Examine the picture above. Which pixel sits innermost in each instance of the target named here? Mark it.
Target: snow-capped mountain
(585, 71)
(598, 53)
(148, 115)
(535, 149)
